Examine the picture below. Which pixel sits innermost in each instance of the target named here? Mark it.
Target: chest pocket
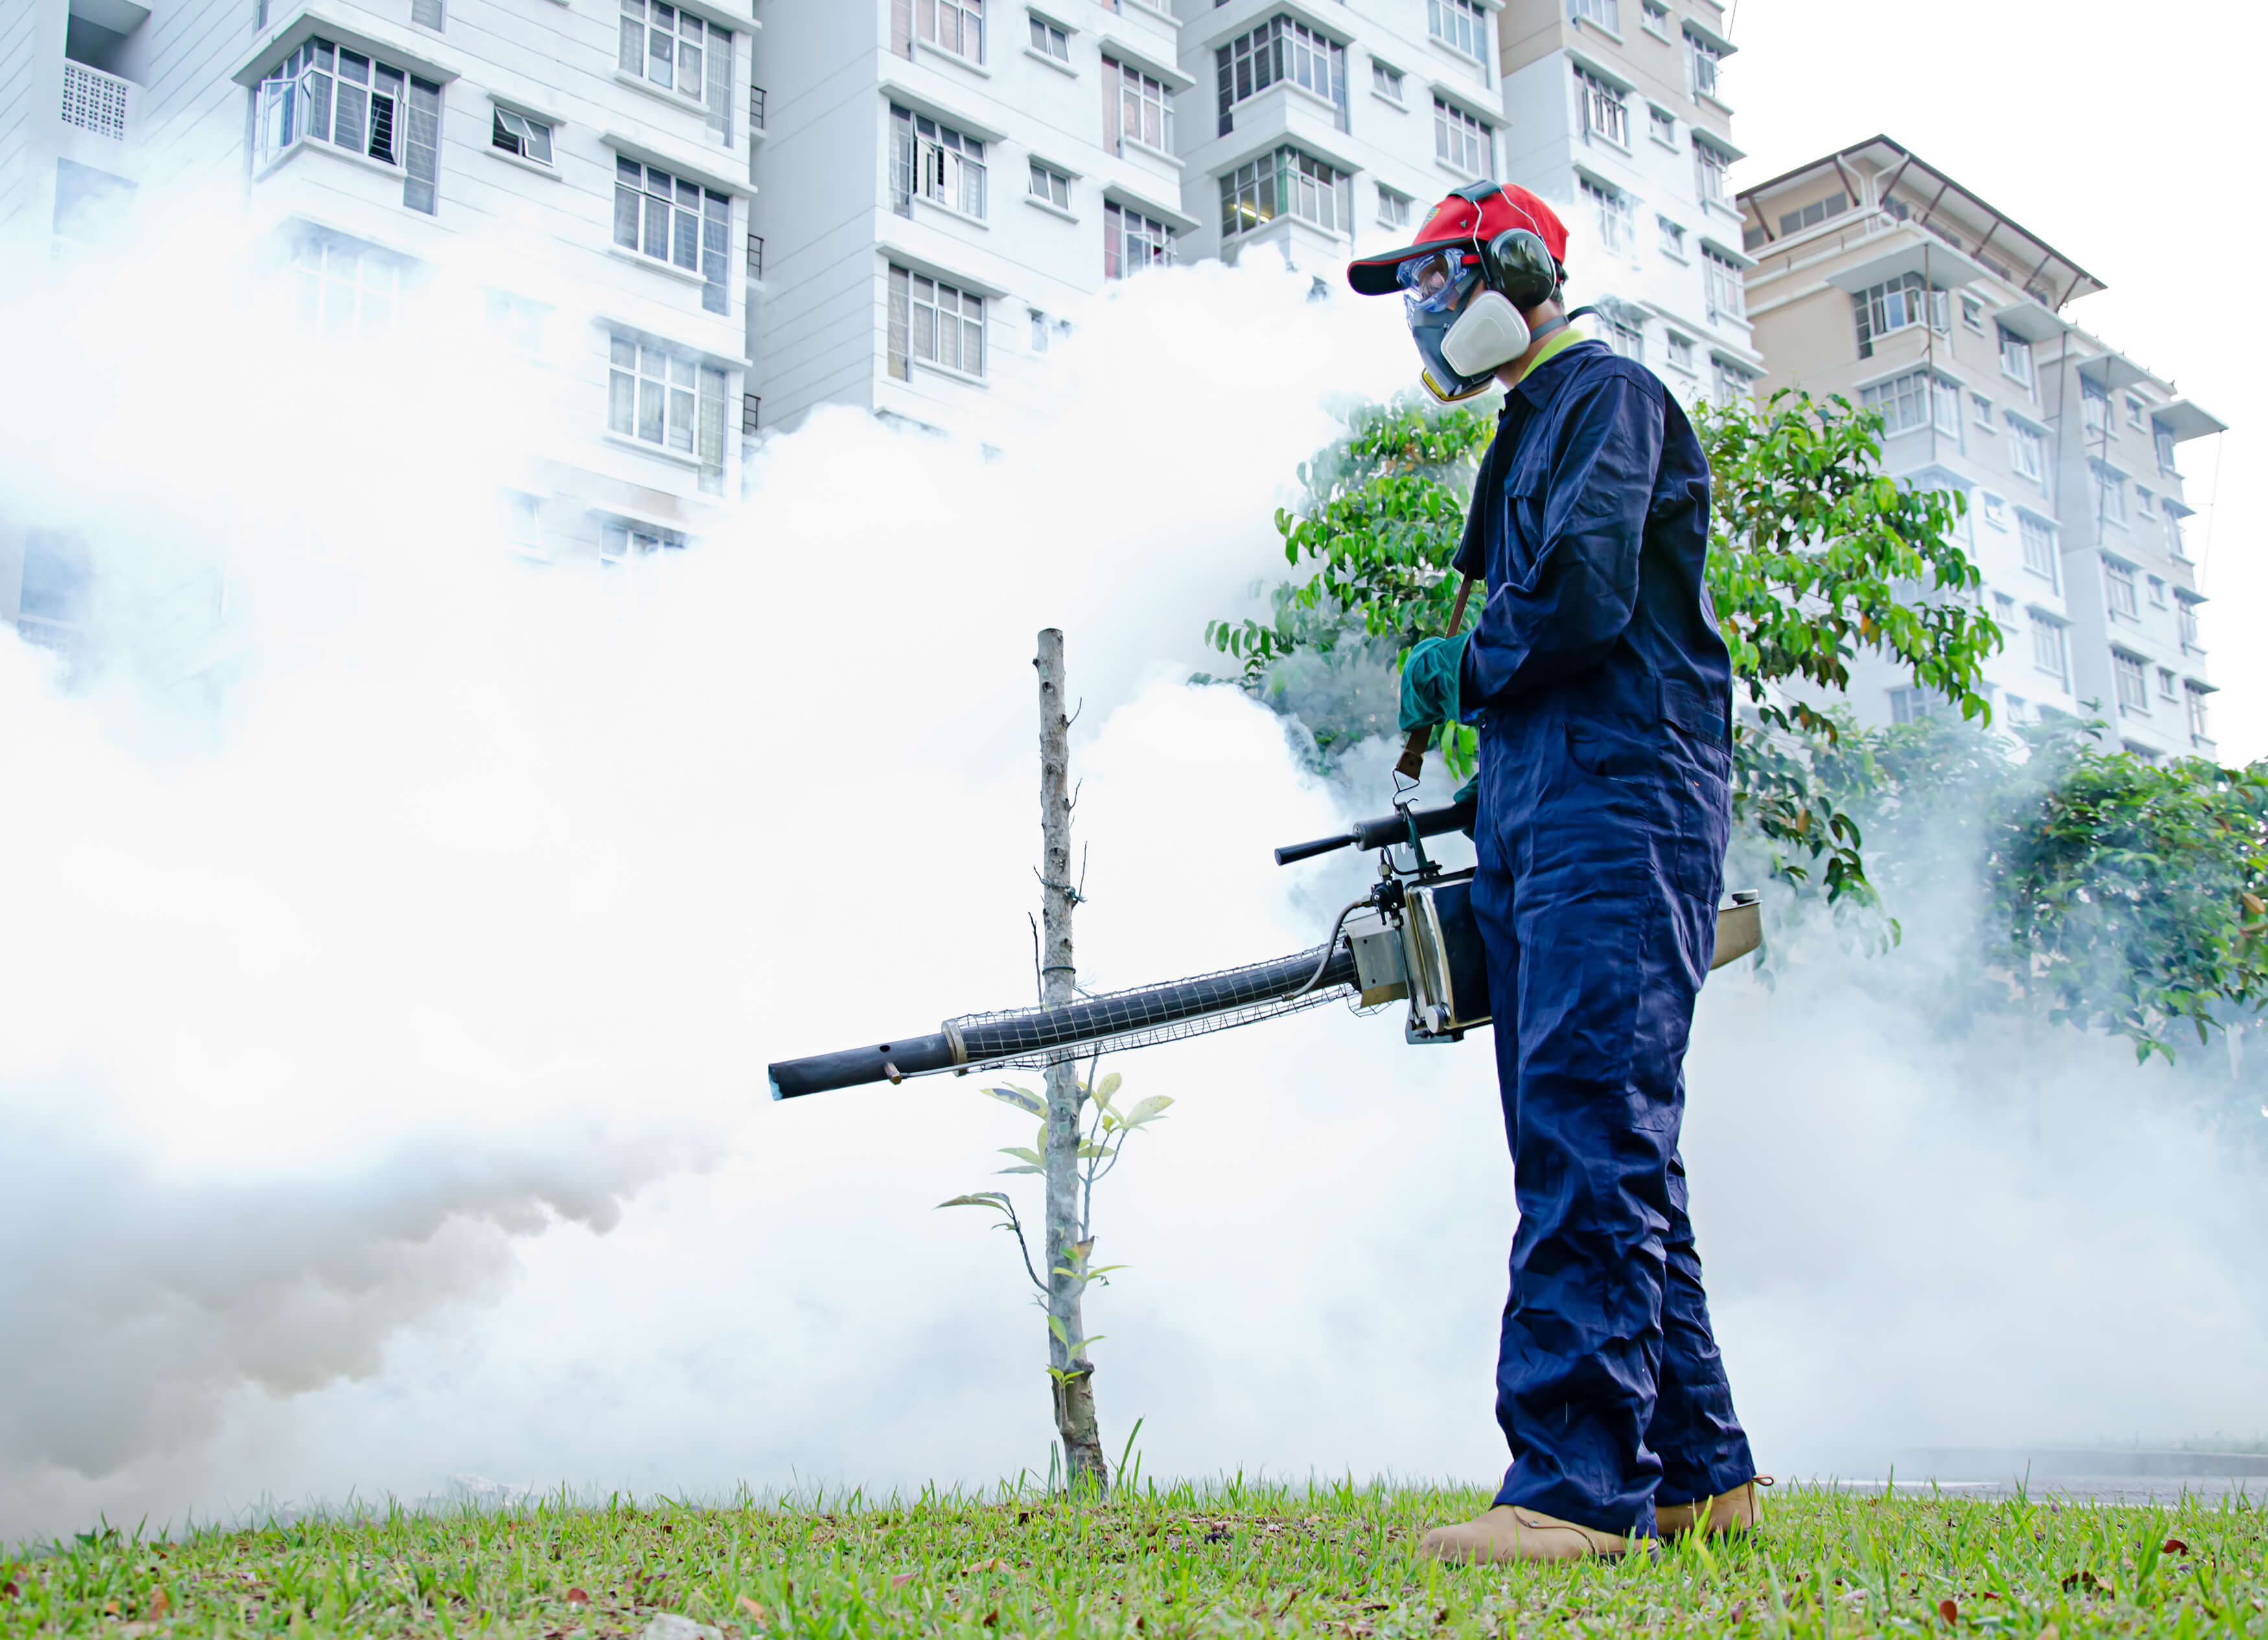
(1520, 552)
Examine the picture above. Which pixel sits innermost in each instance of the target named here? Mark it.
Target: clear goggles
(1436, 282)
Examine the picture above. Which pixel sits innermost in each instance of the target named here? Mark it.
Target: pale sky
(2112, 132)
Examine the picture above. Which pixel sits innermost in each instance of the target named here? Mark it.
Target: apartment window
(1050, 186)
(932, 321)
(2164, 441)
(1136, 108)
(1286, 182)
(523, 522)
(2185, 620)
(1605, 108)
(1132, 241)
(1461, 25)
(936, 162)
(1385, 81)
(1710, 169)
(1045, 330)
(326, 93)
(674, 221)
(1625, 333)
(2015, 355)
(2165, 683)
(2038, 537)
(2094, 409)
(2118, 588)
(1608, 14)
(1392, 208)
(348, 290)
(2050, 653)
(2134, 420)
(1654, 17)
(1681, 352)
(1915, 400)
(2110, 492)
(1981, 407)
(624, 544)
(2197, 729)
(2015, 708)
(679, 53)
(1705, 60)
(1910, 706)
(1721, 284)
(518, 134)
(1280, 50)
(1051, 41)
(2145, 502)
(1732, 384)
(1612, 210)
(427, 14)
(953, 25)
(662, 398)
(1461, 140)
(1895, 305)
(2132, 680)
(1673, 238)
(2174, 544)
(1812, 215)
(57, 589)
(517, 322)
(2027, 452)
(1663, 124)
(1972, 313)
(1996, 512)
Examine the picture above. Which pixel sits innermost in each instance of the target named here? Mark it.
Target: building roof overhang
(2049, 266)
(2028, 320)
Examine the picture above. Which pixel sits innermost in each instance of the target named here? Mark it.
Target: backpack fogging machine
(1412, 939)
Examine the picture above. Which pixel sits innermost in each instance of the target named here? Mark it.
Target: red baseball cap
(1472, 215)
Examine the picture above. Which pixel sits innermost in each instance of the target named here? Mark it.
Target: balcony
(98, 102)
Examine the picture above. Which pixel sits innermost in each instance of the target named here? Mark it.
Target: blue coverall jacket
(1605, 691)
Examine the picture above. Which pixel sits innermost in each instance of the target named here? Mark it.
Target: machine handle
(1384, 832)
(1411, 764)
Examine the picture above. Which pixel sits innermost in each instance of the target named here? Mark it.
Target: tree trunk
(1071, 1374)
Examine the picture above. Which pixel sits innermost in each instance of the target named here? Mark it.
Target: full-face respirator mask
(1464, 303)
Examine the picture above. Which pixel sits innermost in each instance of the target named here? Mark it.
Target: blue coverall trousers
(1602, 845)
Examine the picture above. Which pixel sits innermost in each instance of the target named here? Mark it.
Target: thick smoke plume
(382, 1083)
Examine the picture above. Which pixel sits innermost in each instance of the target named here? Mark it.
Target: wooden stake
(1411, 764)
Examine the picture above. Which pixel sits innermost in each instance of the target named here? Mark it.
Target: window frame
(968, 317)
(1046, 35)
(938, 163)
(682, 401)
(711, 214)
(1156, 237)
(1452, 121)
(1041, 168)
(1602, 107)
(499, 128)
(1475, 20)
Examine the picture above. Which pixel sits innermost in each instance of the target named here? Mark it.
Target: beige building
(1880, 279)
(1617, 111)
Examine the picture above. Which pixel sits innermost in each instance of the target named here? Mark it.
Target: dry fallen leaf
(159, 1605)
(995, 1564)
(899, 1580)
(1948, 1610)
(2173, 1546)
(9, 1591)
(753, 1609)
(577, 1597)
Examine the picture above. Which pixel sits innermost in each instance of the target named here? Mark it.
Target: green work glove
(1430, 687)
(1471, 790)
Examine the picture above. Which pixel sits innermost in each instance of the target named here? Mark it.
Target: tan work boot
(1508, 1533)
(1737, 1510)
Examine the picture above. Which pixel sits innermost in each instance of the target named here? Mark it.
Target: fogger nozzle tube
(1384, 832)
(989, 1039)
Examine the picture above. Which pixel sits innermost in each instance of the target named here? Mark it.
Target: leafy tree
(1816, 556)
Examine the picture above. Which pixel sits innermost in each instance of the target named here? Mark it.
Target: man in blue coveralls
(1603, 694)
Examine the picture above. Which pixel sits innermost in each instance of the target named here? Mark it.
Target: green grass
(1227, 1559)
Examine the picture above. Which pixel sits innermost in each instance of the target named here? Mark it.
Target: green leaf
(1148, 1110)
(1022, 1098)
(983, 1198)
(1023, 1155)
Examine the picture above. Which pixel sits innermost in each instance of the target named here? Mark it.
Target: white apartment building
(1880, 278)
(581, 169)
(942, 180)
(1616, 112)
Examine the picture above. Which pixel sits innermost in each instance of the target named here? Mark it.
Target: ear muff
(1518, 263)
(1488, 333)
